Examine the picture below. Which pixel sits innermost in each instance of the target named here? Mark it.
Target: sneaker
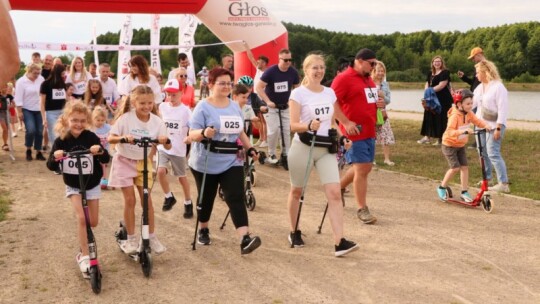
(204, 237)
(263, 144)
(295, 239)
(466, 197)
(365, 216)
(271, 159)
(188, 210)
(83, 261)
(500, 187)
(258, 143)
(437, 143)
(57, 172)
(441, 192)
(249, 244)
(104, 183)
(130, 246)
(40, 156)
(168, 203)
(389, 163)
(345, 247)
(29, 155)
(14, 134)
(156, 245)
(424, 140)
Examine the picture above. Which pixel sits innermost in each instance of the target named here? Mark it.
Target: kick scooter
(94, 273)
(483, 197)
(144, 254)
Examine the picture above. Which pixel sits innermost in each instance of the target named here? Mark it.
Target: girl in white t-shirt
(139, 73)
(78, 76)
(312, 110)
(136, 118)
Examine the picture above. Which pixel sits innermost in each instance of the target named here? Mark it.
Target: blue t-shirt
(280, 84)
(229, 124)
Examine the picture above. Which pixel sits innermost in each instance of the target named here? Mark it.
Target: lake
(522, 105)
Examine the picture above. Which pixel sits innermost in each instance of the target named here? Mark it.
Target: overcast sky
(355, 16)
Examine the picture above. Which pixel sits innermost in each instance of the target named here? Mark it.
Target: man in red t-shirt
(356, 110)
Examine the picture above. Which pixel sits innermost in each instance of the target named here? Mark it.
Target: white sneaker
(258, 143)
(271, 159)
(83, 261)
(14, 134)
(130, 246)
(156, 245)
(500, 187)
(263, 144)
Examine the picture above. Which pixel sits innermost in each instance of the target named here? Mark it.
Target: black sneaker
(58, 172)
(168, 203)
(345, 247)
(29, 155)
(204, 237)
(188, 211)
(249, 244)
(295, 239)
(40, 156)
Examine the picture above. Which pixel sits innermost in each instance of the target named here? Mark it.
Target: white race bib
(69, 165)
(230, 124)
(58, 94)
(108, 99)
(174, 126)
(280, 87)
(80, 86)
(463, 128)
(322, 111)
(371, 95)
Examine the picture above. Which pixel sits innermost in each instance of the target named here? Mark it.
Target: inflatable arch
(247, 20)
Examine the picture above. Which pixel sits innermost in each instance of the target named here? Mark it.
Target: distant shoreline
(511, 86)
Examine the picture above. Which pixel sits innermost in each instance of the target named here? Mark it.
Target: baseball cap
(365, 54)
(172, 86)
(475, 51)
(204, 68)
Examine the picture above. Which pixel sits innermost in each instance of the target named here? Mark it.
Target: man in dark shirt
(477, 55)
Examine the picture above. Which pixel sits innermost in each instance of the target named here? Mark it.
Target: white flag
(154, 41)
(186, 38)
(124, 56)
(96, 58)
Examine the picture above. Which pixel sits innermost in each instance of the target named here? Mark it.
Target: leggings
(232, 183)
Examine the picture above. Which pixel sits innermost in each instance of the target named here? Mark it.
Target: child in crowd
(259, 107)
(176, 116)
(240, 94)
(93, 96)
(72, 127)
(6, 101)
(102, 130)
(127, 164)
(454, 140)
(69, 93)
(13, 118)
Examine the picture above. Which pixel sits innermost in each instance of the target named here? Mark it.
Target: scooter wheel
(487, 204)
(262, 157)
(221, 194)
(146, 263)
(253, 176)
(250, 200)
(95, 279)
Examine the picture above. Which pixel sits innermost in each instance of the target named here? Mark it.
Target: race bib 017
(322, 111)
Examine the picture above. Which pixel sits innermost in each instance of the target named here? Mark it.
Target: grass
(520, 151)
(4, 204)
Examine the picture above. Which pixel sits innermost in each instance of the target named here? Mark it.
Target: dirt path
(420, 251)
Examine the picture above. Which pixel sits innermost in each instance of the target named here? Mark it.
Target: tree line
(515, 48)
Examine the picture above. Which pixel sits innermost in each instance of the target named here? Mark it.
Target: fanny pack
(489, 115)
(282, 106)
(222, 147)
(329, 142)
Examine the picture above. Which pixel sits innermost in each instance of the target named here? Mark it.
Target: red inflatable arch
(247, 20)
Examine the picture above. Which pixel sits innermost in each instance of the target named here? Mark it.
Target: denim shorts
(361, 151)
(91, 194)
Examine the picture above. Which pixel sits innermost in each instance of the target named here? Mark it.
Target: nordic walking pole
(199, 203)
(322, 221)
(301, 202)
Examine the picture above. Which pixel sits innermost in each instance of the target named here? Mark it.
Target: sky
(354, 16)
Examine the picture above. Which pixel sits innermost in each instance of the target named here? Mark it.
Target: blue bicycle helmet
(246, 80)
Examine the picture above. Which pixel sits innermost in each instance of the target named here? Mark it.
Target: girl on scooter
(454, 139)
(127, 164)
(72, 127)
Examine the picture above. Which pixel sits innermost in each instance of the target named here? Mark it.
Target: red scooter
(483, 197)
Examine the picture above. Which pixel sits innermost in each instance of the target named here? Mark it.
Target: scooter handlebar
(79, 152)
(142, 140)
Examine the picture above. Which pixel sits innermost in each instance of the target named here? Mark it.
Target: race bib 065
(69, 165)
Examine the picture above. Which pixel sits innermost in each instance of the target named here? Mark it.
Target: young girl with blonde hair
(72, 127)
(127, 164)
(78, 76)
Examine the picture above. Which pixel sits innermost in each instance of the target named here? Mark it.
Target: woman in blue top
(217, 121)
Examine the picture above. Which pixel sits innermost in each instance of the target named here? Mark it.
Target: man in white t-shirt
(183, 62)
(110, 90)
(176, 117)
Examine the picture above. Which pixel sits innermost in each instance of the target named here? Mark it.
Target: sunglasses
(182, 76)
(372, 63)
(286, 59)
